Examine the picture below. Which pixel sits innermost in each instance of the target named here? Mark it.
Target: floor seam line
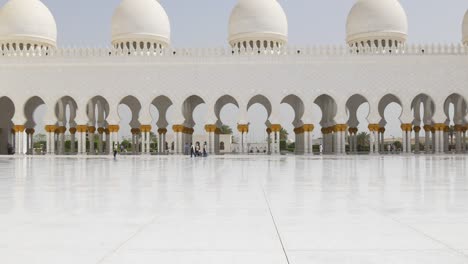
(276, 226)
(459, 252)
(138, 231)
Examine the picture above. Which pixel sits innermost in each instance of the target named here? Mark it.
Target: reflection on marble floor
(235, 209)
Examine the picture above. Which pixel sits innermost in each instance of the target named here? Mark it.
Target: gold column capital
(91, 129)
(353, 130)
(113, 128)
(340, 127)
(178, 128)
(275, 127)
(210, 128)
(407, 127)
(60, 130)
(417, 129)
(19, 128)
(135, 131)
(427, 128)
(30, 131)
(82, 128)
(243, 128)
(50, 128)
(162, 131)
(145, 128)
(439, 127)
(308, 127)
(374, 127)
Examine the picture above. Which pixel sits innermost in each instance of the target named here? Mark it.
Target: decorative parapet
(327, 50)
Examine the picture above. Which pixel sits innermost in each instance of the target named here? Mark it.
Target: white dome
(263, 20)
(465, 28)
(27, 22)
(377, 20)
(141, 20)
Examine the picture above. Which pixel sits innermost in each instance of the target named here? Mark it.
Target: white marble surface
(234, 209)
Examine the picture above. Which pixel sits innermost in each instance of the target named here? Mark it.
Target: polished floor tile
(234, 209)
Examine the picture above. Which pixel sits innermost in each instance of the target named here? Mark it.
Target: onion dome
(27, 23)
(140, 23)
(382, 23)
(258, 23)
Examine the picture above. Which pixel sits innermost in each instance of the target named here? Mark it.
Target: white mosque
(375, 66)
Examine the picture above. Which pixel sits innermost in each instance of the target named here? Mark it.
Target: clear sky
(203, 23)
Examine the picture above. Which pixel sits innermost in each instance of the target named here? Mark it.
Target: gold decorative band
(417, 129)
(162, 131)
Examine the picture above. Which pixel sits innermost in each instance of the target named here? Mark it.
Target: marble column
(145, 139)
(108, 145)
(30, 141)
(162, 140)
(112, 139)
(211, 140)
(382, 140)
(50, 139)
(275, 139)
(61, 140)
(72, 131)
(427, 139)
(91, 136)
(373, 130)
(100, 146)
(19, 139)
(243, 129)
(406, 137)
(458, 129)
(439, 138)
(417, 145)
(81, 138)
(269, 141)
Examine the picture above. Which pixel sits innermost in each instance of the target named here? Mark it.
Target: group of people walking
(197, 151)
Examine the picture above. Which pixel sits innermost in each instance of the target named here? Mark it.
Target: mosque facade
(140, 69)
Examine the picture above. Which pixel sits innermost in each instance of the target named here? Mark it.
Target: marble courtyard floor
(234, 209)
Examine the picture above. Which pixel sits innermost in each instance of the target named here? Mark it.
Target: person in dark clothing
(115, 153)
(192, 150)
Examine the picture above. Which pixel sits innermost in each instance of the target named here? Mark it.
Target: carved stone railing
(327, 50)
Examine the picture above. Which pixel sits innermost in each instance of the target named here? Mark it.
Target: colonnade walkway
(337, 139)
